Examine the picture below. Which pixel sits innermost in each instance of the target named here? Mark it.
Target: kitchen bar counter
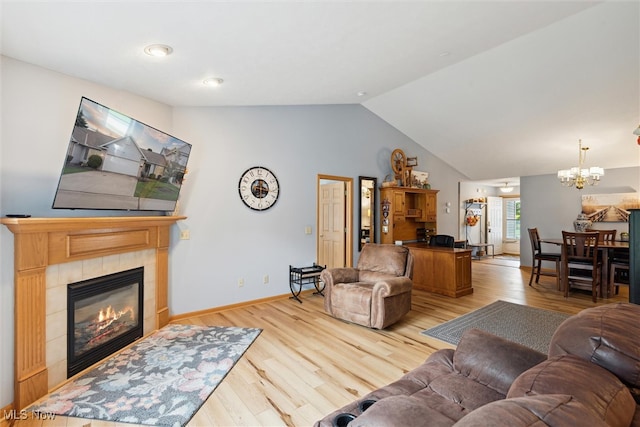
(445, 271)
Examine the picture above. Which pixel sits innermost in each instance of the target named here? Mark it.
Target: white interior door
(494, 223)
(331, 225)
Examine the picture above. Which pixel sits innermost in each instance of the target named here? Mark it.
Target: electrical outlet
(185, 235)
(240, 282)
(265, 279)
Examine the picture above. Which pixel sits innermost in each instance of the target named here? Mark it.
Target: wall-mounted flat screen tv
(118, 163)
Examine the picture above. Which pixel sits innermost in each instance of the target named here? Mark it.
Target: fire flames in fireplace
(108, 315)
(107, 324)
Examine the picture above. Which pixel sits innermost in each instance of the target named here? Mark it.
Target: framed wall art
(609, 207)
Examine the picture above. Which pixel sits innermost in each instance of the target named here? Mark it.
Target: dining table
(605, 247)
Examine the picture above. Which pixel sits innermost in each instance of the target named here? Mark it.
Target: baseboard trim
(230, 307)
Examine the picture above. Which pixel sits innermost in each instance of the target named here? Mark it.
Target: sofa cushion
(456, 393)
(385, 259)
(374, 276)
(478, 351)
(603, 335)
(553, 410)
(352, 302)
(602, 393)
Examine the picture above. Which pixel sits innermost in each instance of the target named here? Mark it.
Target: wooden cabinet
(442, 271)
(397, 204)
(432, 206)
(405, 211)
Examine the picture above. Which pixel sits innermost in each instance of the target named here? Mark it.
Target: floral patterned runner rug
(163, 379)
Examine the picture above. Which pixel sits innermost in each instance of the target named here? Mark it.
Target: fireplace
(50, 253)
(104, 315)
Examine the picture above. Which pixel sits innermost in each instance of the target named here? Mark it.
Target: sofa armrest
(331, 276)
(492, 360)
(392, 286)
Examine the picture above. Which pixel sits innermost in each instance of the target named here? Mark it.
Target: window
(512, 219)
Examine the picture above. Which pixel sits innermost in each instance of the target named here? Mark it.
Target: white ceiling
(494, 88)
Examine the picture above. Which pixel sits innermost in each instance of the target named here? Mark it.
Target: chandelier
(578, 175)
(507, 188)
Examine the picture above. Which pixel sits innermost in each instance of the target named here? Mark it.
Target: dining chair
(605, 236)
(581, 264)
(539, 256)
(618, 270)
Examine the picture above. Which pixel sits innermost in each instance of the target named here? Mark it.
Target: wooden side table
(299, 276)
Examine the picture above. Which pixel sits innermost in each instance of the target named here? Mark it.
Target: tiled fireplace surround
(60, 275)
(49, 254)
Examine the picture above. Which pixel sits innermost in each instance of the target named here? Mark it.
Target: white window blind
(512, 219)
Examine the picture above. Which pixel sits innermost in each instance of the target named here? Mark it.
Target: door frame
(348, 250)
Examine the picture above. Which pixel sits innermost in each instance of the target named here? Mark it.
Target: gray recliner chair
(375, 294)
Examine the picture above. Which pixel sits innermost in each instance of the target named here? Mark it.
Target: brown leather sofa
(375, 294)
(589, 377)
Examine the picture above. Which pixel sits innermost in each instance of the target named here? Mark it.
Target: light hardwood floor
(306, 364)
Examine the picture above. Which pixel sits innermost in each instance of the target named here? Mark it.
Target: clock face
(259, 188)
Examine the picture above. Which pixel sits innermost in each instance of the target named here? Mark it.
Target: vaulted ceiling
(494, 88)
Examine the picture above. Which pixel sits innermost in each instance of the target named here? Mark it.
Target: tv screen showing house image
(116, 162)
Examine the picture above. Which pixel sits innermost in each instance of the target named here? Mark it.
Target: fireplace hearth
(104, 315)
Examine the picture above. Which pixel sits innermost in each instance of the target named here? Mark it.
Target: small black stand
(305, 276)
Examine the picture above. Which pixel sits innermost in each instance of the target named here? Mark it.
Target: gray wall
(296, 144)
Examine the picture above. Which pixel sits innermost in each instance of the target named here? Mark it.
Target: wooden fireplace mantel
(40, 242)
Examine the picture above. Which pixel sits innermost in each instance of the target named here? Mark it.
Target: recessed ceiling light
(213, 81)
(361, 93)
(158, 50)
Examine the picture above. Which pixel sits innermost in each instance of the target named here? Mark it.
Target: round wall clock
(258, 188)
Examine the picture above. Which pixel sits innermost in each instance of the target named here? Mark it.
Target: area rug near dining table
(529, 326)
(163, 379)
